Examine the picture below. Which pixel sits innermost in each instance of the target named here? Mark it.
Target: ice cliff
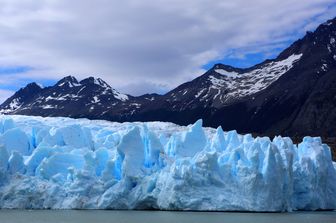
(63, 163)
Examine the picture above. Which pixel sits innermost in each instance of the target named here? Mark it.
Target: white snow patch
(200, 93)
(15, 104)
(70, 84)
(329, 48)
(47, 107)
(101, 83)
(137, 105)
(227, 73)
(120, 96)
(62, 98)
(150, 99)
(95, 99)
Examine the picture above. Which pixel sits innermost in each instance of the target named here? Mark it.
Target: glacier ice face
(65, 163)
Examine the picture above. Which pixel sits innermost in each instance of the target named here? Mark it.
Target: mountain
(20, 98)
(302, 101)
(67, 97)
(293, 94)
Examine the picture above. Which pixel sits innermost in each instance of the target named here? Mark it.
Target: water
(97, 216)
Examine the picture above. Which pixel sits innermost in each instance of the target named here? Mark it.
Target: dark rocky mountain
(293, 94)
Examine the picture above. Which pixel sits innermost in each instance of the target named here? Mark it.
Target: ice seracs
(67, 163)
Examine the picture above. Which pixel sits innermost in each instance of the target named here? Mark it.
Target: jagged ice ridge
(64, 163)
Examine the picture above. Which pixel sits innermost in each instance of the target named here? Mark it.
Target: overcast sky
(144, 46)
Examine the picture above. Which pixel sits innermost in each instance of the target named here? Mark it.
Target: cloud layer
(148, 45)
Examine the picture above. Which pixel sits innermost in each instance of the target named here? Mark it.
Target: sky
(144, 46)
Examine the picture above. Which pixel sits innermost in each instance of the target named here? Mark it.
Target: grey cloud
(142, 46)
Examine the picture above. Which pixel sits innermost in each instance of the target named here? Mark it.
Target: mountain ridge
(272, 97)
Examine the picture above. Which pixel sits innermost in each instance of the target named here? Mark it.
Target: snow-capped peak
(107, 88)
(69, 81)
(329, 22)
(95, 81)
(102, 83)
(249, 82)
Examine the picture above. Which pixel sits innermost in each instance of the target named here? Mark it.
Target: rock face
(63, 163)
(293, 94)
(302, 101)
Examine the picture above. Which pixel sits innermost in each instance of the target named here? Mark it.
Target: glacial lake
(98, 216)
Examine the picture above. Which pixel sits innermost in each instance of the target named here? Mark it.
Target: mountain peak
(70, 81)
(219, 66)
(101, 82)
(95, 81)
(317, 42)
(20, 97)
(225, 70)
(330, 22)
(33, 85)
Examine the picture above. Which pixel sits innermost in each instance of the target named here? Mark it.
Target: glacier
(64, 163)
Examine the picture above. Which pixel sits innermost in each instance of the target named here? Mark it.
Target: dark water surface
(97, 216)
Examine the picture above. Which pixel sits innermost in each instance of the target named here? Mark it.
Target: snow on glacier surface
(68, 163)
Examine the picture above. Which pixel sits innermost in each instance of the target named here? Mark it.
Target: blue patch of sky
(6, 71)
(15, 69)
(247, 60)
(251, 59)
(23, 82)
